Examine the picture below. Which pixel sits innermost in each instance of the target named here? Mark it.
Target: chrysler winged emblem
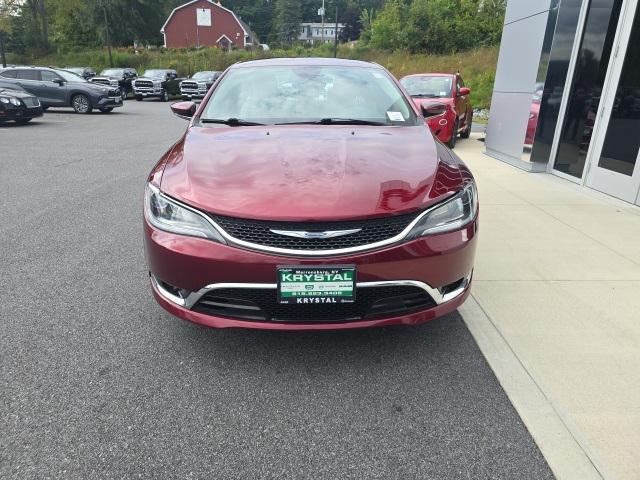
(316, 235)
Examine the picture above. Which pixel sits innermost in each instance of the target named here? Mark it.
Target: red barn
(205, 23)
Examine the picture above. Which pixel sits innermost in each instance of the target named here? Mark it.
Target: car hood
(309, 172)
(432, 101)
(96, 87)
(104, 77)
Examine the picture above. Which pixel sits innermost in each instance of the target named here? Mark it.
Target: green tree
(387, 29)
(286, 21)
(352, 23)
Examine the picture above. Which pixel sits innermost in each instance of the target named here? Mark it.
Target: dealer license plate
(316, 284)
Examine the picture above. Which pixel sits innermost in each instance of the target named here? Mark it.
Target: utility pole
(335, 36)
(321, 13)
(2, 53)
(106, 34)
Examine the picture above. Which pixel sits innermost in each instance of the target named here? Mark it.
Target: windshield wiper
(335, 121)
(425, 95)
(233, 122)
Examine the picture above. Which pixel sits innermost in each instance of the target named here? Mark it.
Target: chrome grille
(189, 85)
(101, 81)
(143, 84)
(369, 231)
(31, 102)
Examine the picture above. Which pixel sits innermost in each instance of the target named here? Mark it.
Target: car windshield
(70, 77)
(308, 94)
(202, 75)
(154, 74)
(426, 86)
(112, 72)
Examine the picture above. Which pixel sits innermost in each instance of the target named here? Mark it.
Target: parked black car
(157, 83)
(59, 88)
(198, 85)
(18, 106)
(117, 77)
(84, 72)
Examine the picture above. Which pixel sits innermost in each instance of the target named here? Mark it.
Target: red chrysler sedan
(309, 194)
(445, 103)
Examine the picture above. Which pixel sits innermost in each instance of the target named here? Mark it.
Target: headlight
(167, 215)
(11, 100)
(453, 214)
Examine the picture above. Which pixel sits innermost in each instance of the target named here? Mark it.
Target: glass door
(614, 160)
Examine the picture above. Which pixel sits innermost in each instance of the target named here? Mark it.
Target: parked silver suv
(60, 88)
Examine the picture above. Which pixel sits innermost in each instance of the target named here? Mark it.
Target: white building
(566, 98)
(311, 32)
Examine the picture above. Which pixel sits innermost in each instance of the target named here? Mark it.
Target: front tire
(23, 121)
(138, 98)
(123, 94)
(164, 96)
(454, 136)
(81, 103)
(467, 131)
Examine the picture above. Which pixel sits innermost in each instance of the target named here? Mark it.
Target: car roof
(310, 61)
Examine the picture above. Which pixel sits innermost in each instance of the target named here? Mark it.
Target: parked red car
(445, 103)
(532, 124)
(309, 194)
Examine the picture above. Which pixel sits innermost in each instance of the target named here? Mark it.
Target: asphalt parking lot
(97, 381)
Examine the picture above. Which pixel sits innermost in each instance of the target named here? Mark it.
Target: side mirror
(58, 81)
(184, 109)
(464, 91)
(433, 109)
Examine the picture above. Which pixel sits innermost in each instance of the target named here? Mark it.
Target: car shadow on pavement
(30, 124)
(70, 111)
(446, 337)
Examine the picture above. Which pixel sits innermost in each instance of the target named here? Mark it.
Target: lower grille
(260, 304)
(31, 102)
(259, 231)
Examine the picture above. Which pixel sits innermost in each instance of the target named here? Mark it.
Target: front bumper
(147, 92)
(110, 102)
(193, 94)
(440, 264)
(20, 113)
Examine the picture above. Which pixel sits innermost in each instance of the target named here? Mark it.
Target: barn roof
(246, 31)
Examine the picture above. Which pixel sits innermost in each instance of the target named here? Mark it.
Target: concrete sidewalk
(555, 307)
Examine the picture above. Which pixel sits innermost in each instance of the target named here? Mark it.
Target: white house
(311, 32)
